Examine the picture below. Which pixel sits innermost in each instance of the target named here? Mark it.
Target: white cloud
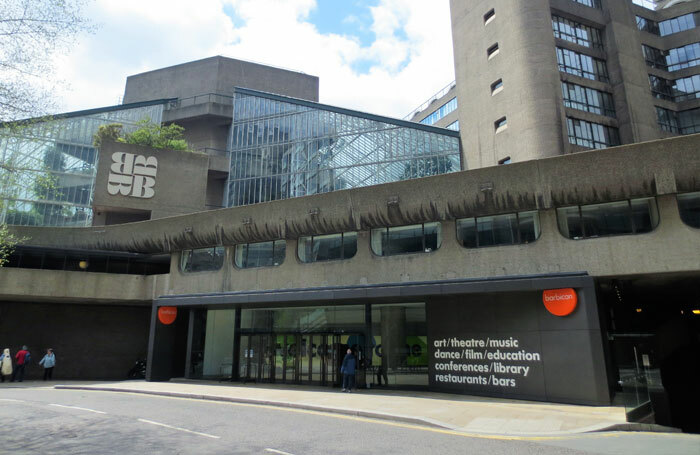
(409, 60)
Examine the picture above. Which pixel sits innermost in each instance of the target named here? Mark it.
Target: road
(45, 420)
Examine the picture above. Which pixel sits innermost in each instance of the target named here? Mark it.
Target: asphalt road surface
(37, 420)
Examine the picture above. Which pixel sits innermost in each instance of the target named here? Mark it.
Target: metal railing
(431, 100)
(200, 99)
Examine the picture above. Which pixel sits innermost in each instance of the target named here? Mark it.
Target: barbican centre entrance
(307, 344)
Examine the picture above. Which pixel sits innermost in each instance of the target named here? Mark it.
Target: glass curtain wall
(283, 148)
(48, 166)
(218, 343)
(399, 345)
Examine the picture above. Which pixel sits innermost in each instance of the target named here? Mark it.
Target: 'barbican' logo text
(132, 175)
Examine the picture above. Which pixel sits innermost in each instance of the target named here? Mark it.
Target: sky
(380, 56)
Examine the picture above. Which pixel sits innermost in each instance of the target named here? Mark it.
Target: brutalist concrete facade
(526, 62)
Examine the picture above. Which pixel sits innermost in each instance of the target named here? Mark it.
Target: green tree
(8, 241)
(148, 134)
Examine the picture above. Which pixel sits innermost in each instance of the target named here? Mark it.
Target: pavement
(467, 414)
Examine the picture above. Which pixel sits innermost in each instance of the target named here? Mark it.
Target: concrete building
(418, 276)
(573, 278)
(550, 77)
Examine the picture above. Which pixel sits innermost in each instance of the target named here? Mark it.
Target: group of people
(21, 360)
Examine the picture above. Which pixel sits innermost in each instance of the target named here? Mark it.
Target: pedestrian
(22, 358)
(348, 371)
(5, 364)
(48, 362)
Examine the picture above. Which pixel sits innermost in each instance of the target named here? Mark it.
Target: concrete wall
(531, 98)
(89, 341)
(218, 75)
(37, 285)
(180, 182)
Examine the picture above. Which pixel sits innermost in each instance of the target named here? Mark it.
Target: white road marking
(76, 407)
(11, 399)
(278, 451)
(179, 429)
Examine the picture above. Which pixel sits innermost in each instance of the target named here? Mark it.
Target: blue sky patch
(345, 17)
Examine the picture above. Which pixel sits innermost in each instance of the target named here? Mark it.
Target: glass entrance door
(295, 358)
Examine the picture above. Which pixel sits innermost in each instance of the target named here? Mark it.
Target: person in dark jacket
(22, 358)
(348, 371)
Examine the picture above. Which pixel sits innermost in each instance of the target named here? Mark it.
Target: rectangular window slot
(492, 51)
(496, 87)
(500, 124)
(505, 160)
(490, 16)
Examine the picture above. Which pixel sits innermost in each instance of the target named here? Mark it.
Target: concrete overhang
(648, 169)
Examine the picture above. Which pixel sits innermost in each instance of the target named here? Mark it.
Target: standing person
(48, 362)
(348, 371)
(22, 357)
(5, 364)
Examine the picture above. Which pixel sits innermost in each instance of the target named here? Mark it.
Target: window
(492, 51)
(453, 126)
(496, 87)
(488, 17)
(263, 254)
(682, 89)
(416, 238)
(202, 259)
(635, 216)
(588, 99)
(667, 120)
(576, 32)
(591, 135)
(505, 160)
(648, 4)
(673, 59)
(441, 112)
(686, 88)
(669, 26)
(683, 122)
(331, 247)
(582, 65)
(509, 229)
(591, 3)
(689, 121)
(500, 124)
(689, 208)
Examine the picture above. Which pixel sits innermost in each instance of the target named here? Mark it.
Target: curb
(627, 427)
(281, 404)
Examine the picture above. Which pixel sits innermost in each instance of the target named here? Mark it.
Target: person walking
(48, 362)
(22, 357)
(348, 371)
(5, 364)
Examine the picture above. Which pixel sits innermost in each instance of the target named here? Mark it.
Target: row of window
(635, 216)
(673, 59)
(683, 122)
(587, 99)
(441, 112)
(591, 3)
(682, 89)
(582, 65)
(669, 26)
(576, 32)
(591, 135)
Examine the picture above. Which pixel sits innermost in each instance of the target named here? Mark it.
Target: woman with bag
(5, 364)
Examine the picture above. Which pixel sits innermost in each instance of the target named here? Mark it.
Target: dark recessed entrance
(653, 327)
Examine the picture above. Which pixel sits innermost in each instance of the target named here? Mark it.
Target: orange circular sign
(167, 314)
(560, 302)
